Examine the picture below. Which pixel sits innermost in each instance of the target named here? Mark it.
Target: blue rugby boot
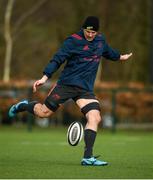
(15, 108)
(93, 162)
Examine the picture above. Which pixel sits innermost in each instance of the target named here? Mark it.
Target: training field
(44, 153)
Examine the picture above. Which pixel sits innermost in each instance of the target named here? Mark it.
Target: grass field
(44, 153)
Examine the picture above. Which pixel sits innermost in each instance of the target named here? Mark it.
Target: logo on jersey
(85, 48)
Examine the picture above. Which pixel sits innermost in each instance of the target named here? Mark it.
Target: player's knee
(42, 111)
(92, 112)
(98, 118)
(94, 116)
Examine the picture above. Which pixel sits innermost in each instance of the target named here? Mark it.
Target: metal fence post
(30, 116)
(114, 110)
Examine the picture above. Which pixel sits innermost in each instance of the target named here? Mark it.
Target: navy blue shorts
(62, 93)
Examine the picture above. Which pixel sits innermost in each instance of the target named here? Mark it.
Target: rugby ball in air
(75, 133)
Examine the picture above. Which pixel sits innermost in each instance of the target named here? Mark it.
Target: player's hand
(124, 57)
(39, 83)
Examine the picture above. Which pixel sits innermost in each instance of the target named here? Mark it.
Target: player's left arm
(125, 57)
(113, 54)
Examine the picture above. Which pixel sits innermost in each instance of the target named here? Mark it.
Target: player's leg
(91, 109)
(57, 96)
(42, 111)
(50, 105)
(34, 107)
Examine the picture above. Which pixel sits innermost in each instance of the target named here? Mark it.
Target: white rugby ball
(75, 133)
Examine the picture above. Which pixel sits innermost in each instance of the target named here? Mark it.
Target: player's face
(89, 34)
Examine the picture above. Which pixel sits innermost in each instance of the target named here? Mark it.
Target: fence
(121, 106)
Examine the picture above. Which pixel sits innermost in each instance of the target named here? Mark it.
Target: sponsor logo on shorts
(56, 96)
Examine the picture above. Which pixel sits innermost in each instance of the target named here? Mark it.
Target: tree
(151, 42)
(10, 37)
(8, 40)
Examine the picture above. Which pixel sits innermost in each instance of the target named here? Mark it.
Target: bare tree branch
(23, 18)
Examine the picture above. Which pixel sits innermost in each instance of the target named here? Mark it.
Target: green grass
(44, 153)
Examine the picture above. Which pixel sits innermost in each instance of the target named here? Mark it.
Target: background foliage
(125, 23)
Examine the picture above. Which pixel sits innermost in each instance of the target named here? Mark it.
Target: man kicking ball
(82, 52)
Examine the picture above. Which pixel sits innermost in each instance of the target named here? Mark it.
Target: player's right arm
(64, 53)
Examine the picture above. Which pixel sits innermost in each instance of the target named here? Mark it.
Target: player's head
(90, 27)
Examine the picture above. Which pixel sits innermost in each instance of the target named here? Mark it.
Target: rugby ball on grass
(74, 133)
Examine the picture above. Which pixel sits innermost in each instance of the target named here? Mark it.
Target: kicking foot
(14, 108)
